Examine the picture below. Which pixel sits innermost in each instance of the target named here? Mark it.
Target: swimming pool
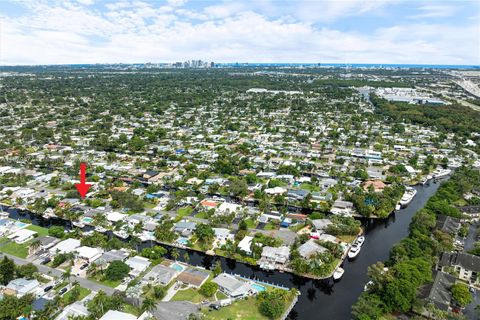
(87, 220)
(183, 241)
(258, 287)
(20, 224)
(177, 267)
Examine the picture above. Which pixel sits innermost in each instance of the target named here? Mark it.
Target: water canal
(320, 299)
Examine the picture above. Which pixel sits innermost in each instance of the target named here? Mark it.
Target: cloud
(142, 32)
(434, 11)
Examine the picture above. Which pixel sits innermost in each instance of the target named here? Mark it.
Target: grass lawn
(309, 187)
(347, 238)
(240, 310)
(83, 293)
(250, 223)
(18, 250)
(202, 215)
(105, 282)
(149, 205)
(270, 226)
(42, 232)
(185, 211)
(190, 294)
(221, 295)
(128, 308)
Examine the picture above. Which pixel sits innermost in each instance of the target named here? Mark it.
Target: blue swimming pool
(183, 241)
(20, 224)
(177, 267)
(258, 287)
(87, 220)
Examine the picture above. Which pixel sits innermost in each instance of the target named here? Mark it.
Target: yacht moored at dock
(408, 196)
(338, 273)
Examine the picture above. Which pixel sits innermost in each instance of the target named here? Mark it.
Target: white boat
(398, 207)
(4, 214)
(354, 251)
(440, 173)
(360, 241)
(408, 196)
(368, 285)
(100, 229)
(78, 224)
(338, 273)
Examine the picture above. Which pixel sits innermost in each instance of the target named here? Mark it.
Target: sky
(36, 32)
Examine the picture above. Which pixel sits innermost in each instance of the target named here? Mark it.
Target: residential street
(57, 273)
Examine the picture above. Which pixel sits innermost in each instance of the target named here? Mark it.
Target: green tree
(208, 289)
(117, 270)
(7, 270)
(461, 294)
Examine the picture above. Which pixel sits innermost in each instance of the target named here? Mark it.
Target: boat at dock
(338, 273)
(408, 196)
(440, 173)
(354, 251)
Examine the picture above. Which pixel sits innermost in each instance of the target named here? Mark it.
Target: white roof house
(113, 216)
(138, 264)
(75, 309)
(117, 315)
(22, 235)
(89, 253)
(232, 286)
(65, 246)
(227, 207)
(22, 286)
(245, 244)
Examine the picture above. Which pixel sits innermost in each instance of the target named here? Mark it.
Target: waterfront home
(321, 196)
(193, 277)
(45, 243)
(273, 257)
(344, 208)
(231, 286)
(299, 194)
(328, 238)
(185, 227)
(160, 274)
(138, 265)
(439, 292)
(466, 265)
(21, 235)
(377, 185)
(223, 234)
(21, 286)
(245, 245)
(65, 246)
(310, 248)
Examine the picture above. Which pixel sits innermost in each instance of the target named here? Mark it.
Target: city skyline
(381, 32)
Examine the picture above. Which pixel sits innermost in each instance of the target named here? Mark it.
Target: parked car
(62, 291)
(46, 260)
(48, 288)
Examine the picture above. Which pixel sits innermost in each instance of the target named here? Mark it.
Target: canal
(320, 299)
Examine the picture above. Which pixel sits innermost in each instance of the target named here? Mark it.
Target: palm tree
(34, 246)
(175, 254)
(67, 274)
(148, 304)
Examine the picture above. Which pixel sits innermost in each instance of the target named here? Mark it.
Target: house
(467, 265)
(448, 224)
(274, 257)
(310, 248)
(185, 228)
(47, 242)
(231, 286)
(117, 315)
(110, 256)
(377, 185)
(21, 286)
(344, 208)
(22, 235)
(88, 254)
(76, 309)
(65, 246)
(321, 196)
(321, 224)
(299, 194)
(245, 245)
(328, 238)
(138, 265)
(439, 293)
(193, 277)
(160, 274)
(223, 234)
(227, 208)
(113, 216)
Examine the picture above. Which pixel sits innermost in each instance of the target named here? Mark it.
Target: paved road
(57, 273)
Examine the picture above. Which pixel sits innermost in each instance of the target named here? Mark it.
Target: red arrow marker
(83, 187)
